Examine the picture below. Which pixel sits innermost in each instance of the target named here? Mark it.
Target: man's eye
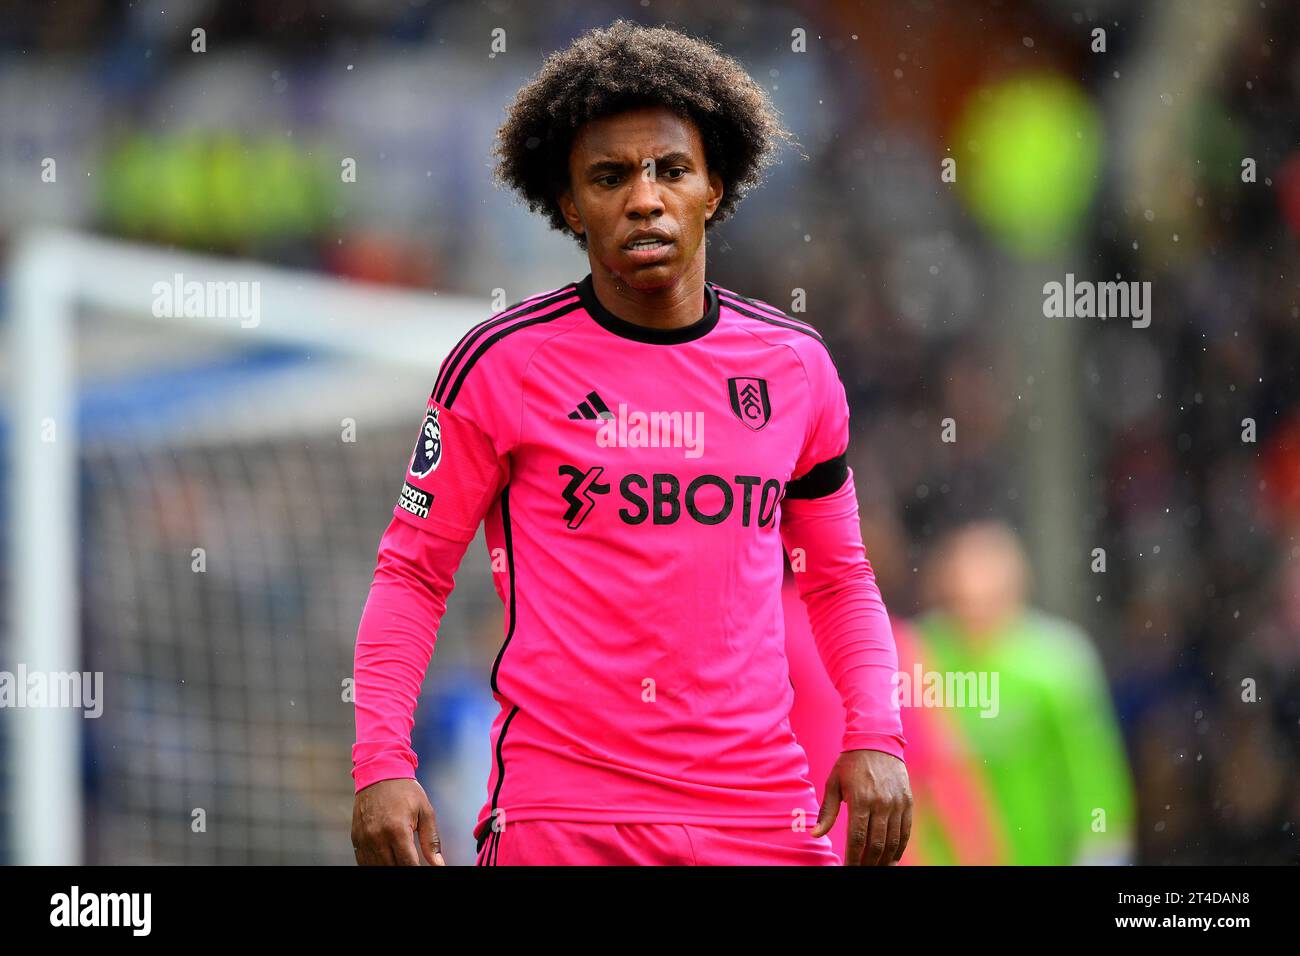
(676, 169)
(609, 180)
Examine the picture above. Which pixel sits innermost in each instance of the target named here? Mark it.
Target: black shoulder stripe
(770, 320)
(518, 310)
(744, 309)
(767, 308)
(821, 480)
(450, 394)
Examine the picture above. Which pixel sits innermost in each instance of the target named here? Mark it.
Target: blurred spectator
(1049, 747)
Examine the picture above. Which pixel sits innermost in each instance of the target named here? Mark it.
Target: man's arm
(822, 535)
(395, 641)
(1097, 774)
(454, 475)
(850, 626)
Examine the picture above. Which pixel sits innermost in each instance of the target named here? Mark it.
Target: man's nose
(645, 199)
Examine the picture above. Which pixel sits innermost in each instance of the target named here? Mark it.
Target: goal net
(202, 456)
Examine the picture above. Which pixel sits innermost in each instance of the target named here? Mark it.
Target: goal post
(144, 381)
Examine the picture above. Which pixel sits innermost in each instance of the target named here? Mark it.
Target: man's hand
(880, 805)
(386, 818)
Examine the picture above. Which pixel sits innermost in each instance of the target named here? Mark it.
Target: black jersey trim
(821, 480)
(488, 857)
(450, 394)
(643, 333)
(793, 324)
(496, 665)
(767, 308)
(510, 569)
(501, 769)
(517, 311)
(481, 857)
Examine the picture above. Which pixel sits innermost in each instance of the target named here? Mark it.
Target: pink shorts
(562, 843)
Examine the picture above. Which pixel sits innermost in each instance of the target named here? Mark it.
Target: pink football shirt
(637, 487)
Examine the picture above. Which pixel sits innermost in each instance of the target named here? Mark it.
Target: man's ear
(716, 190)
(569, 210)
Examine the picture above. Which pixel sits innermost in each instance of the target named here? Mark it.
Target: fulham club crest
(428, 449)
(749, 401)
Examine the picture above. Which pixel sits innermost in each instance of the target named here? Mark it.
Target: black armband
(821, 480)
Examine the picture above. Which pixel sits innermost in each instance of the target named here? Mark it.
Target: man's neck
(667, 307)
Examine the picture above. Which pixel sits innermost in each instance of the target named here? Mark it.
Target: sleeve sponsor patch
(414, 500)
(449, 494)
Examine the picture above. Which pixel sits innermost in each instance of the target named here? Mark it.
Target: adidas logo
(592, 407)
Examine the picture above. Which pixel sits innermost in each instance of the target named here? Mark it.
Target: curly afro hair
(622, 67)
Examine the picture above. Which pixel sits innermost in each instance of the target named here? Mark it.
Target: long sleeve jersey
(637, 487)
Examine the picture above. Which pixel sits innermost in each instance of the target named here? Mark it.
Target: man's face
(642, 171)
(983, 580)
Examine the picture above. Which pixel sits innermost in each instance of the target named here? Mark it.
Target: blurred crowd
(1187, 474)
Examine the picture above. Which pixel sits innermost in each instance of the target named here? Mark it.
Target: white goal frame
(53, 275)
